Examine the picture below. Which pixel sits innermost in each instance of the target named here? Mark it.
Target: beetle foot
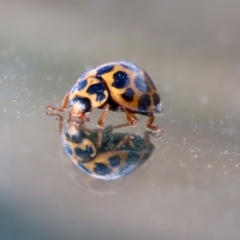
(155, 131)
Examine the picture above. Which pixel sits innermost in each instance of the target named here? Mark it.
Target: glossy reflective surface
(189, 188)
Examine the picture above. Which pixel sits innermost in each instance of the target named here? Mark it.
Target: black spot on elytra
(121, 80)
(141, 84)
(79, 85)
(105, 69)
(98, 89)
(144, 103)
(132, 158)
(80, 164)
(149, 80)
(84, 154)
(128, 95)
(130, 66)
(101, 169)
(156, 101)
(114, 161)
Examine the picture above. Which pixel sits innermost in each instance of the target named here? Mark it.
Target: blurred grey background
(189, 189)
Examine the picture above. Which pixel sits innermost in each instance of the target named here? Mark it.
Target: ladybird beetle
(118, 155)
(114, 86)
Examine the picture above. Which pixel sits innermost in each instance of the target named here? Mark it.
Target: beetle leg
(131, 119)
(103, 117)
(125, 139)
(60, 120)
(146, 140)
(156, 130)
(108, 129)
(101, 125)
(99, 136)
(63, 105)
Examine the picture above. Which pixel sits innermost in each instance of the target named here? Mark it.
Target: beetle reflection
(103, 153)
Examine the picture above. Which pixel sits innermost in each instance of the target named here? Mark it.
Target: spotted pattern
(103, 70)
(101, 169)
(121, 80)
(79, 86)
(98, 89)
(141, 85)
(118, 84)
(84, 154)
(144, 103)
(114, 161)
(106, 162)
(128, 95)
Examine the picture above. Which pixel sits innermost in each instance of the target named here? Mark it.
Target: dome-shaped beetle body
(126, 84)
(115, 86)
